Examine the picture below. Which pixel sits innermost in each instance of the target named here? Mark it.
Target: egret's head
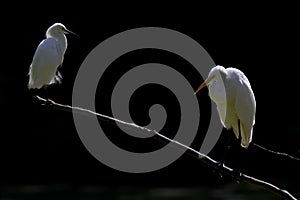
(58, 29)
(214, 76)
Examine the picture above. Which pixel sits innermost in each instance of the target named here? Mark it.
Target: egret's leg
(228, 145)
(46, 92)
(45, 88)
(240, 154)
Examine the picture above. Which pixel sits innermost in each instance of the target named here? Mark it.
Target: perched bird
(231, 91)
(48, 56)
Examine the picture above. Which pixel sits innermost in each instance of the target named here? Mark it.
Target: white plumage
(48, 56)
(231, 91)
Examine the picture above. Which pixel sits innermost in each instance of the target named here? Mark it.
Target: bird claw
(237, 174)
(220, 164)
(48, 102)
(219, 167)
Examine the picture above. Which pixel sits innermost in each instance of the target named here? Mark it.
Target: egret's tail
(246, 136)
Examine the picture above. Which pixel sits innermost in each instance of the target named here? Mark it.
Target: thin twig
(205, 159)
(276, 152)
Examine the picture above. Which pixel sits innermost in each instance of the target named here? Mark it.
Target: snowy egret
(48, 57)
(231, 91)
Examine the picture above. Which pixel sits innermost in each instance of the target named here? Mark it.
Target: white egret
(231, 91)
(48, 56)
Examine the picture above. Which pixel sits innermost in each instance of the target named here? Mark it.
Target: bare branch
(277, 153)
(204, 158)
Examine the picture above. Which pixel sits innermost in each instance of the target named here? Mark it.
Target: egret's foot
(219, 167)
(237, 174)
(35, 97)
(48, 102)
(220, 164)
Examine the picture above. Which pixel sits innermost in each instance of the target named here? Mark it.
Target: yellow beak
(203, 85)
(200, 87)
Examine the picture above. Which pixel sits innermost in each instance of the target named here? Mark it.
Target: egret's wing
(44, 64)
(245, 106)
(221, 108)
(246, 100)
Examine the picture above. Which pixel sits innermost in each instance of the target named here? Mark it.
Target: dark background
(41, 146)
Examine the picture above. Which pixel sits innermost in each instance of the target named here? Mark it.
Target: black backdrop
(40, 145)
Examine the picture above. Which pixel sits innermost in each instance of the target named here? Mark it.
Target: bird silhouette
(48, 56)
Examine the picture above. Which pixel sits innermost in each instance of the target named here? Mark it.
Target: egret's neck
(62, 42)
(217, 92)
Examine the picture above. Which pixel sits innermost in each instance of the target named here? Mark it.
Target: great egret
(231, 91)
(48, 56)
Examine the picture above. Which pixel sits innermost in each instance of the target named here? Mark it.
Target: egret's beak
(68, 31)
(205, 83)
(200, 87)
